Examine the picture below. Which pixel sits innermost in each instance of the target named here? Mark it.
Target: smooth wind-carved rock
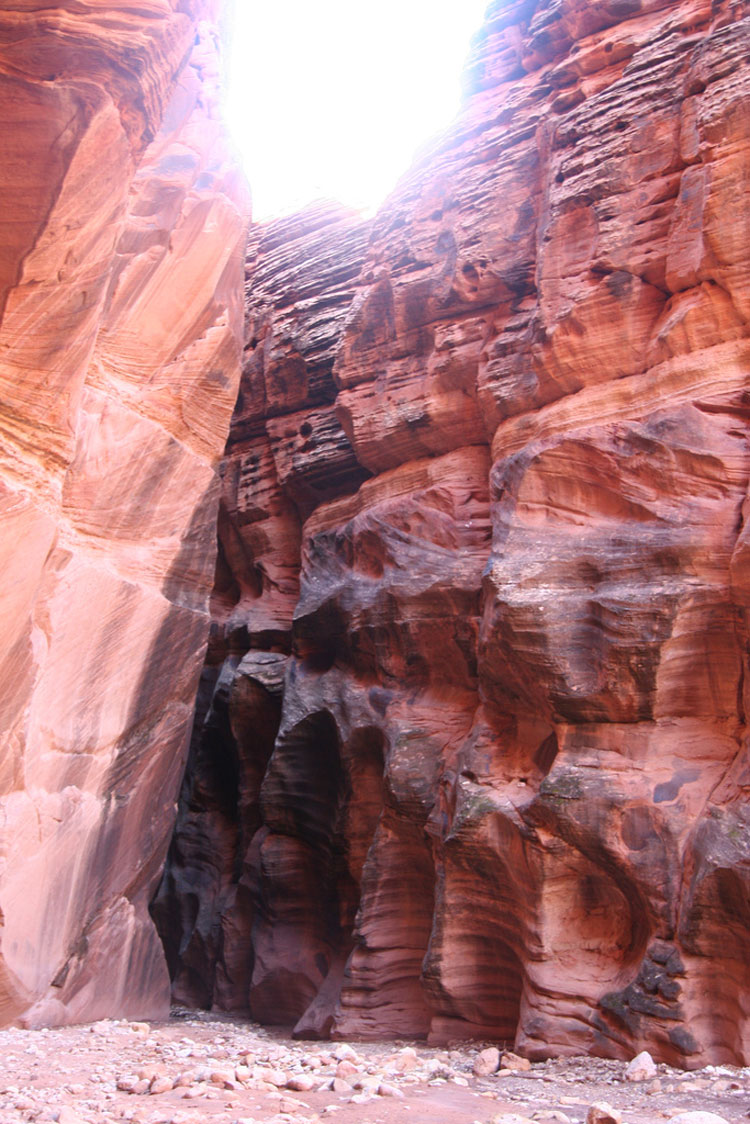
(121, 242)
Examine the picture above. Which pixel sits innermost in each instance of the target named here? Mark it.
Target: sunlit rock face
(485, 499)
(121, 247)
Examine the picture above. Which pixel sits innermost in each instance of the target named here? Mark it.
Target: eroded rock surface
(121, 239)
(486, 490)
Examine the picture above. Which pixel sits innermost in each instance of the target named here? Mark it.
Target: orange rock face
(121, 244)
(486, 494)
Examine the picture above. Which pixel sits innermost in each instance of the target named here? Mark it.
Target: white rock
(697, 1118)
(344, 1052)
(642, 1068)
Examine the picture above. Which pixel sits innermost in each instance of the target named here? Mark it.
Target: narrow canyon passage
(469, 753)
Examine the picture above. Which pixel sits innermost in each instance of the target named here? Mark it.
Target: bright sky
(333, 97)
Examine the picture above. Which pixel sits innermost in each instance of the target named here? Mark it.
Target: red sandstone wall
(507, 797)
(121, 243)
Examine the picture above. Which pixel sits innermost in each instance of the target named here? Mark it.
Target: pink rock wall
(121, 246)
(486, 488)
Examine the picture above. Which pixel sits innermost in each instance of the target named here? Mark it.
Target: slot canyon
(378, 668)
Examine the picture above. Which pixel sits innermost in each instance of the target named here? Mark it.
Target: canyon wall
(121, 256)
(470, 756)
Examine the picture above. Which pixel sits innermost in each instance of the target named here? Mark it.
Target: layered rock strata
(485, 496)
(121, 242)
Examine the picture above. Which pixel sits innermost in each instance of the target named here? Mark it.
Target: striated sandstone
(121, 241)
(486, 492)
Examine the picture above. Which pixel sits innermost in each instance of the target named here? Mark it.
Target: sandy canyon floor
(197, 1068)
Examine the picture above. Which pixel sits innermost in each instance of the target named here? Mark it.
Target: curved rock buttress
(515, 439)
(121, 242)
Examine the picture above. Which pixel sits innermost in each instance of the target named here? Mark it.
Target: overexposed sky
(332, 97)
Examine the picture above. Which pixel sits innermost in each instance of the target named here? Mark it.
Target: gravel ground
(200, 1068)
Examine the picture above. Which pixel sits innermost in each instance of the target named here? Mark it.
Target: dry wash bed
(198, 1068)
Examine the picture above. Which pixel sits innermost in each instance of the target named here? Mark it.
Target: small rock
(127, 1082)
(642, 1068)
(69, 1116)
(346, 1068)
(404, 1061)
(510, 1060)
(275, 1077)
(224, 1078)
(368, 1084)
(194, 1091)
(340, 1086)
(510, 1118)
(161, 1085)
(291, 1105)
(486, 1062)
(387, 1090)
(697, 1118)
(602, 1113)
(300, 1083)
(183, 1080)
(344, 1052)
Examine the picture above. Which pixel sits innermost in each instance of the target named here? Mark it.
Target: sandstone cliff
(121, 244)
(484, 500)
